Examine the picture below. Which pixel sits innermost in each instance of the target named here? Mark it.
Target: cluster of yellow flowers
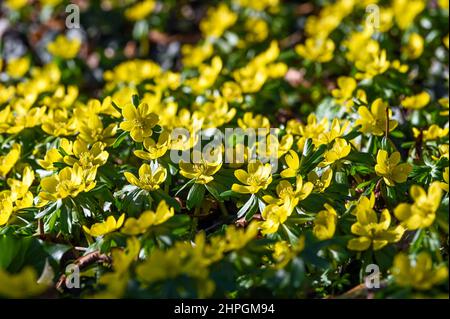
(363, 176)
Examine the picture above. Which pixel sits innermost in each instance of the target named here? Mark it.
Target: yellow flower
(372, 232)
(20, 189)
(360, 46)
(422, 212)
(419, 274)
(193, 56)
(237, 238)
(21, 285)
(155, 149)
(16, 4)
(405, 11)
(258, 5)
(325, 223)
(416, 102)
(414, 48)
(434, 132)
(150, 177)
(293, 163)
(445, 176)
(18, 67)
(54, 156)
(207, 77)
(92, 130)
(274, 216)
(108, 226)
(231, 91)
(217, 21)
(444, 102)
(376, 63)
(397, 65)
(312, 130)
(59, 122)
(64, 48)
(138, 121)
(6, 207)
(323, 182)
(257, 177)
(70, 181)
(8, 161)
(374, 121)
(147, 219)
(389, 168)
(257, 29)
(87, 157)
(252, 77)
(257, 122)
(140, 10)
(346, 87)
(271, 147)
(339, 151)
(364, 204)
(443, 4)
(51, 3)
(216, 113)
(6, 93)
(336, 130)
(316, 49)
(203, 168)
(288, 196)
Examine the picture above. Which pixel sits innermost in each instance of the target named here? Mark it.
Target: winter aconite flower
(8, 161)
(344, 92)
(372, 232)
(419, 273)
(390, 169)
(405, 11)
(274, 216)
(87, 157)
(202, 170)
(374, 121)
(6, 207)
(150, 177)
(290, 196)
(325, 223)
(20, 189)
(108, 226)
(316, 49)
(321, 183)
(16, 4)
(70, 181)
(136, 226)
(138, 121)
(293, 163)
(140, 10)
(258, 176)
(445, 177)
(416, 102)
(23, 284)
(64, 47)
(155, 149)
(18, 67)
(414, 48)
(422, 212)
(340, 150)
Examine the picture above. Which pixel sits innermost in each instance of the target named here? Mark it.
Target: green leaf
(120, 139)
(213, 191)
(195, 196)
(247, 206)
(135, 99)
